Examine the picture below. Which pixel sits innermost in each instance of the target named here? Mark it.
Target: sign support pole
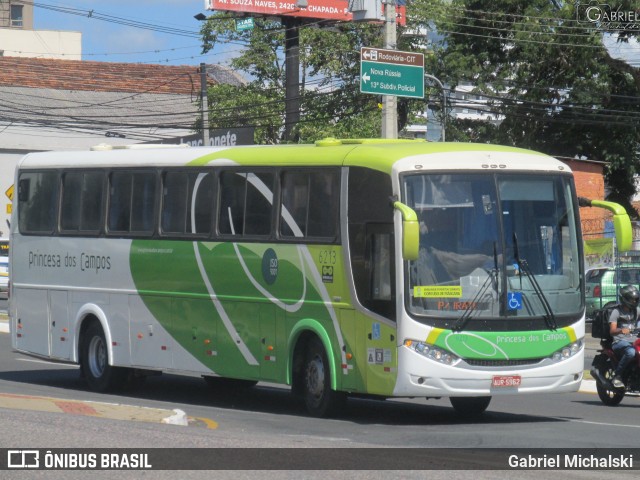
(205, 104)
(292, 73)
(389, 102)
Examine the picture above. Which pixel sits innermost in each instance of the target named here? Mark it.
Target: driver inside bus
(436, 241)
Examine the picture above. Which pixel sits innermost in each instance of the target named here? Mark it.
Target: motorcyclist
(622, 323)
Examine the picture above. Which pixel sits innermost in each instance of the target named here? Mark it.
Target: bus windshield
(493, 246)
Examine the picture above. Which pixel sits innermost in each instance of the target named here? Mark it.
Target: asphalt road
(44, 405)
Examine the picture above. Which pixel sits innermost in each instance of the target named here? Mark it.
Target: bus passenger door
(61, 337)
(32, 328)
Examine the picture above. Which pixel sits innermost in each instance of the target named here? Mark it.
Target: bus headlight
(432, 352)
(567, 352)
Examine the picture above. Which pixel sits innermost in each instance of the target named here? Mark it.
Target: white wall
(41, 44)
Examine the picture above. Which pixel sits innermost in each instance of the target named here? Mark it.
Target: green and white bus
(347, 267)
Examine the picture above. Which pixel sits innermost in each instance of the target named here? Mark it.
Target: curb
(588, 386)
(113, 411)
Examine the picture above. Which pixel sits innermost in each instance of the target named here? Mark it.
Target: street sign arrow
(365, 77)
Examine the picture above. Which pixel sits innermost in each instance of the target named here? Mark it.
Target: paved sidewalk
(94, 409)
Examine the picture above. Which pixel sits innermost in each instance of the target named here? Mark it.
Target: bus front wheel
(320, 400)
(470, 406)
(94, 361)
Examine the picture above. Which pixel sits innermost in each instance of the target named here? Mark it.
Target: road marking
(596, 423)
(208, 423)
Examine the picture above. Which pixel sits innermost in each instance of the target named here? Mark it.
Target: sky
(110, 41)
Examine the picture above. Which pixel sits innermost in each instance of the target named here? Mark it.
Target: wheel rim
(97, 357)
(611, 393)
(315, 378)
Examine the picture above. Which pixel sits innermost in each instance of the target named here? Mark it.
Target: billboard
(317, 9)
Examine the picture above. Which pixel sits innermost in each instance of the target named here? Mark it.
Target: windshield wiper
(492, 280)
(523, 267)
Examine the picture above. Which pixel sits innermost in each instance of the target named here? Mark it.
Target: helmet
(629, 296)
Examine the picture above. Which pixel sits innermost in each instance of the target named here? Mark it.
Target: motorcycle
(602, 371)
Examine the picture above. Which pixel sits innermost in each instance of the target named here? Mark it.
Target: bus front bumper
(423, 377)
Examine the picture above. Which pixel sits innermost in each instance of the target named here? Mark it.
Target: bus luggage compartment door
(32, 325)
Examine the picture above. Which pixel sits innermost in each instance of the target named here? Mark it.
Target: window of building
(16, 15)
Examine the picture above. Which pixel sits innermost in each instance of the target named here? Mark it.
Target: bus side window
(246, 201)
(37, 202)
(179, 207)
(232, 198)
(119, 216)
(175, 186)
(143, 203)
(309, 203)
(82, 202)
(257, 219)
(203, 189)
(132, 202)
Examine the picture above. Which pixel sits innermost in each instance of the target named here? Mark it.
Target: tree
(329, 58)
(546, 72)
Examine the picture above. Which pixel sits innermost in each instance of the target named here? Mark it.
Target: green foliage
(546, 74)
(533, 64)
(331, 104)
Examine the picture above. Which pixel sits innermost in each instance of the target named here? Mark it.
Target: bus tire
(94, 361)
(470, 406)
(320, 400)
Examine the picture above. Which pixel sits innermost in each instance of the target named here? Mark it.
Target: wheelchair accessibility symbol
(514, 300)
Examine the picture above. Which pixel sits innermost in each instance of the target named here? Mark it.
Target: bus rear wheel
(470, 406)
(320, 400)
(94, 361)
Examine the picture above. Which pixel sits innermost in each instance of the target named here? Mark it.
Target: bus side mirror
(621, 221)
(410, 231)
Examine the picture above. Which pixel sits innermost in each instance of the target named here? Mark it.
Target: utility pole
(292, 73)
(205, 104)
(389, 102)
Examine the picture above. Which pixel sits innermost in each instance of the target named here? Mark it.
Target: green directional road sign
(391, 72)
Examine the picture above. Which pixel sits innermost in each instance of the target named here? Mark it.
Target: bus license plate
(506, 381)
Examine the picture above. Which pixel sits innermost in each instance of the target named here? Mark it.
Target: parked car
(4, 266)
(601, 284)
